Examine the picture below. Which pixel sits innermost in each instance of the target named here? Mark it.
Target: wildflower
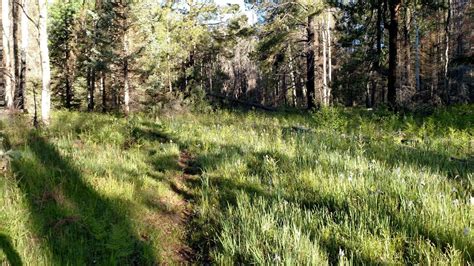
(277, 258)
(398, 171)
(472, 201)
(341, 253)
(350, 177)
(422, 183)
(456, 202)
(454, 190)
(410, 204)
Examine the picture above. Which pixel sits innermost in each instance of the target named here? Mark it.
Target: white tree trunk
(325, 83)
(45, 66)
(126, 85)
(329, 23)
(292, 76)
(7, 38)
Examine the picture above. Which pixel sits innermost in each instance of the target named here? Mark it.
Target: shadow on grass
(13, 258)
(78, 225)
(396, 155)
(381, 208)
(423, 158)
(229, 189)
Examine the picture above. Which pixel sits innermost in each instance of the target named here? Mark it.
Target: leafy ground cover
(336, 186)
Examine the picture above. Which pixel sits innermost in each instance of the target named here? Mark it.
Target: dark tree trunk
(310, 64)
(446, 55)
(68, 91)
(104, 94)
(90, 88)
(67, 82)
(394, 7)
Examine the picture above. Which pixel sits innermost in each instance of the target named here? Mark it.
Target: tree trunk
(16, 50)
(90, 88)
(407, 47)
(8, 74)
(126, 84)
(417, 54)
(310, 64)
(325, 82)
(446, 53)
(68, 90)
(377, 67)
(45, 66)
(68, 78)
(103, 90)
(394, 7)
(328, 29)
(292, 76)
(23, 49)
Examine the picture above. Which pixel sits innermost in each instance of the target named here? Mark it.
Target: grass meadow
(339, 186)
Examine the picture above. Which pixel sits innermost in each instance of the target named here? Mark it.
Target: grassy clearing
(334, 187)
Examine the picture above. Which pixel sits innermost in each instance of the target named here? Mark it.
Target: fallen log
(248, 104)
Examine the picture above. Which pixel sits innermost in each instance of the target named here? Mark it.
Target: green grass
(335, 187)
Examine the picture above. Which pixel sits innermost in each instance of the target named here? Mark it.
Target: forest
(222, 132)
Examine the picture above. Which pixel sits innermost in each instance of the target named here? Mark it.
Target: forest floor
(336, 186)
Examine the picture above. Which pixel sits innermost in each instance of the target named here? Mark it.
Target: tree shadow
(451, 167)
(12, 256)
(385, 207)
(396, 154)
(76, 223)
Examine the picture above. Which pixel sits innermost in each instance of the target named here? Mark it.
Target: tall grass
(335, 187)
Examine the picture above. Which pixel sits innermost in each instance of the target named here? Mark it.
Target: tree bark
(126, 81)
(377, 67)
(68, 89)
(417, 54)
(394, 7)
(16, 51)
(90, 88)
(8, 74)
(446, 52)
(23, 49)
(104, 95)
(310, 64)
(45, 66)
(126, 84)
(292, 76)
(325, 82)
(329, 43)
(407, 47)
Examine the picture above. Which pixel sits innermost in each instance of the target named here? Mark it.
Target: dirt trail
(179, 252)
